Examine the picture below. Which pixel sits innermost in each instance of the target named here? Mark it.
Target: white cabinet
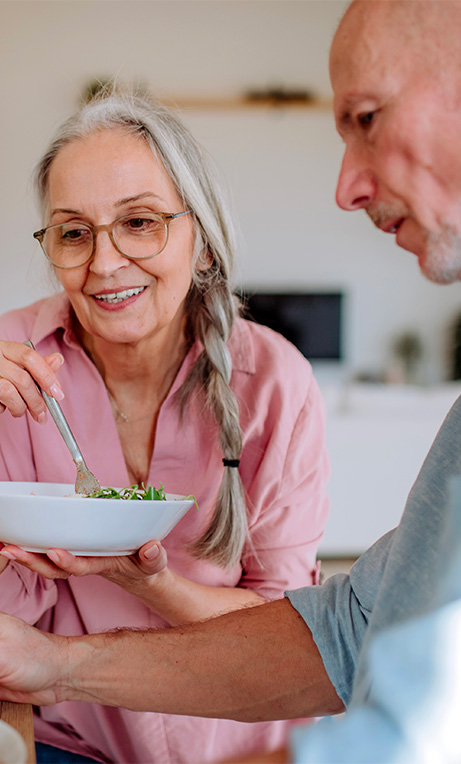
(378, 437)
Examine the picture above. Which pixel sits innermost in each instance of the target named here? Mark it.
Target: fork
(86, 483)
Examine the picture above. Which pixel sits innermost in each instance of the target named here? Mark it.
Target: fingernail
(56, 392)
(7, 554)
(55, 361)
(151, 552)
(54, 556)
(41, 419)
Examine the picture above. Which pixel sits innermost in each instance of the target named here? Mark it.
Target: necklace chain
(121, 415)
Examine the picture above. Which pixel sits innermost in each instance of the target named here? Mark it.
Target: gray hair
(211, 306)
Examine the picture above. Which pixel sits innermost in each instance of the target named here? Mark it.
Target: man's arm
(251, 664)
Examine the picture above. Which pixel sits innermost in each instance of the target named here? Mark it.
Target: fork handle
(61, 422)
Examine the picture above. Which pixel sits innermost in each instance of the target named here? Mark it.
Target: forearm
(253, 664)
(178, 600)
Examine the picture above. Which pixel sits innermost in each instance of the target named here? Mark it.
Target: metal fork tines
(85, 483)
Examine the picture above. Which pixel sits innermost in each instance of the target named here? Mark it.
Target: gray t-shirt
(395, 579)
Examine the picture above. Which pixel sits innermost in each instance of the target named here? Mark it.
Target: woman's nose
(106, 257)
(356, 186)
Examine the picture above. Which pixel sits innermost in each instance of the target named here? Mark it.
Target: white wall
(281, 166)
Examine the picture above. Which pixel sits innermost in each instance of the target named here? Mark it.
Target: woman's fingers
(125, 570)
(78, 565)
(54, 361)
(18, 393)
(3, 561)
(20, 369)
(152, 558)
(149, 560)
(38, 563)
(56, 563)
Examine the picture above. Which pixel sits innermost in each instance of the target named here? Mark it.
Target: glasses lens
(140, 236)
(68, 245)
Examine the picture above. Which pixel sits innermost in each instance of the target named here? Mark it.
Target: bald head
(427, 32)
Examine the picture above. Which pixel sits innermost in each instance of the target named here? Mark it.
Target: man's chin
(439, 274)
(439, 267)
(439, 255)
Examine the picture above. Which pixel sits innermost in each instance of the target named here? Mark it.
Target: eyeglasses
(138, 237)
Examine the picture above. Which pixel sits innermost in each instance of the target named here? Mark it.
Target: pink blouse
(284, 469)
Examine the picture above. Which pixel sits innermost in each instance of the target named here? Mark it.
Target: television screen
(311, 321)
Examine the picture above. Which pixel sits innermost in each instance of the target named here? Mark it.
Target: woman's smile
(118, 298)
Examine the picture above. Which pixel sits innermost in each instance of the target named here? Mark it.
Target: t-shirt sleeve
(338, 611)
(416, 676)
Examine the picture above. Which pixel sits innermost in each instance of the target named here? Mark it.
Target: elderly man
(396, 76)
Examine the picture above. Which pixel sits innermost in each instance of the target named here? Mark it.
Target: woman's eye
(366, 118)
(74, 235)
(142, 225)
(136, 222)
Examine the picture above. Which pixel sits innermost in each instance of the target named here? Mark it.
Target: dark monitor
(311, 321)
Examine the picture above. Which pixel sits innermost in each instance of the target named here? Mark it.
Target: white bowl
(13, 749)
(41, 516)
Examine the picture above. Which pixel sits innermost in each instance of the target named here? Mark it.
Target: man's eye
(366, 118)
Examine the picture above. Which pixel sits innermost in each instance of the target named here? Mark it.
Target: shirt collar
(56, 313)
(241, 347)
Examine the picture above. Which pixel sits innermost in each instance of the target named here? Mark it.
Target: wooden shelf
(237, 104)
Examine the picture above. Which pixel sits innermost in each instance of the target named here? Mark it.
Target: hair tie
(231, 462)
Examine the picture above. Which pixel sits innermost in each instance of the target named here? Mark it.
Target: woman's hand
(134, 573)
(20, 369)
(146, 575)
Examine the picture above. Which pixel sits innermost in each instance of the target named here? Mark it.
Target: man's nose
(356, 186)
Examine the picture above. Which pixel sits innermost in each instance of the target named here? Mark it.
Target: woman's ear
(204, 260)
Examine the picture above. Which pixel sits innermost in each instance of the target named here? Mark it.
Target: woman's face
(96, 180)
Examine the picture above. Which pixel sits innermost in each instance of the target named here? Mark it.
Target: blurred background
(251, 80)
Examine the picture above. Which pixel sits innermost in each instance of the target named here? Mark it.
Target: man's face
(402, 160)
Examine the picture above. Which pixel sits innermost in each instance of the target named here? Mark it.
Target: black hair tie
(231, 462)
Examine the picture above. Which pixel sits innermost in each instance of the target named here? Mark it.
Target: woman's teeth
(114, 297)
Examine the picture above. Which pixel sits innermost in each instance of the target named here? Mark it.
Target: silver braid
(212, 312)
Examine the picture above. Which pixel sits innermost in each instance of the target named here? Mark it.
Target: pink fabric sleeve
(22, 593)
(290, 525)
(25, 594)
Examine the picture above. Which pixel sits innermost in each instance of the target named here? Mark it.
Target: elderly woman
(161, 381)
